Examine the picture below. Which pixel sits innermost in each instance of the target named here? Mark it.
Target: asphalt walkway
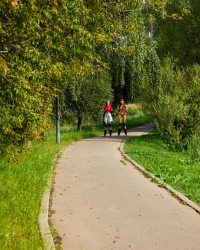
(99, 203)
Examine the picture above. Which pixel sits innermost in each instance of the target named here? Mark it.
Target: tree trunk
(79, 123)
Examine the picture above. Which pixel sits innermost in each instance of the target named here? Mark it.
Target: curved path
(100, 203)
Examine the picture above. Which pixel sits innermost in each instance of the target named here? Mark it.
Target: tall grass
(22, 184)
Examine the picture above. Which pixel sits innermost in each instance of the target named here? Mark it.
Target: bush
(24, 110)
(134, 109)
(173, 103)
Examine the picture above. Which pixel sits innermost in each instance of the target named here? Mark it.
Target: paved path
(99, 203)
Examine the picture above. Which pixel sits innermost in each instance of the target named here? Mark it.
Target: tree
(43, 43)
(129, 67)
(179, 37)
(85, 97)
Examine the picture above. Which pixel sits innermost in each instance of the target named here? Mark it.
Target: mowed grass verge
(22, 185)
(175, 168)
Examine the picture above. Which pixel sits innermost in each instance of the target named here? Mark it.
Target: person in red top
(108, 117)
(122, 111)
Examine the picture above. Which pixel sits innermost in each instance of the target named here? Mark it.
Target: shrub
(24, 110)
(173, 103)
(134, 109)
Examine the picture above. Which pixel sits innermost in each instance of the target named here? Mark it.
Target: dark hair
(120, 103)
(109, 101)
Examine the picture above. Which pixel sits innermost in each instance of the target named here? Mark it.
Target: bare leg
(110, 128)
(124, 120)
(119, 129)
(105, 128)
(125, 131)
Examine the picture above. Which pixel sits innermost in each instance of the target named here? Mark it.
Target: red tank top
(108, 108)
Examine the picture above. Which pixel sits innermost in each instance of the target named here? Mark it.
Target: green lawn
(22, 185)
(175, 168)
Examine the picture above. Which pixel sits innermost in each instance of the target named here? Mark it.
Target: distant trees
(85, 97)
(129, 68)
(179, 37)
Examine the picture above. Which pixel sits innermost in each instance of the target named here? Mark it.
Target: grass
(22, 184)
(175, 168)
(123, 162)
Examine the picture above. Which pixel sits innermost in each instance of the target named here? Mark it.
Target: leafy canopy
(44, 42)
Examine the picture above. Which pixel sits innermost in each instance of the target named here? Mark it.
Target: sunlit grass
(22, 185)
(175, 168)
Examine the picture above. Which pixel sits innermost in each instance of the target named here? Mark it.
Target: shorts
(122, 116)
(108, 118)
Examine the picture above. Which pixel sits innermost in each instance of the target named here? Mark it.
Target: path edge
(44, 207)
(166, 186)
